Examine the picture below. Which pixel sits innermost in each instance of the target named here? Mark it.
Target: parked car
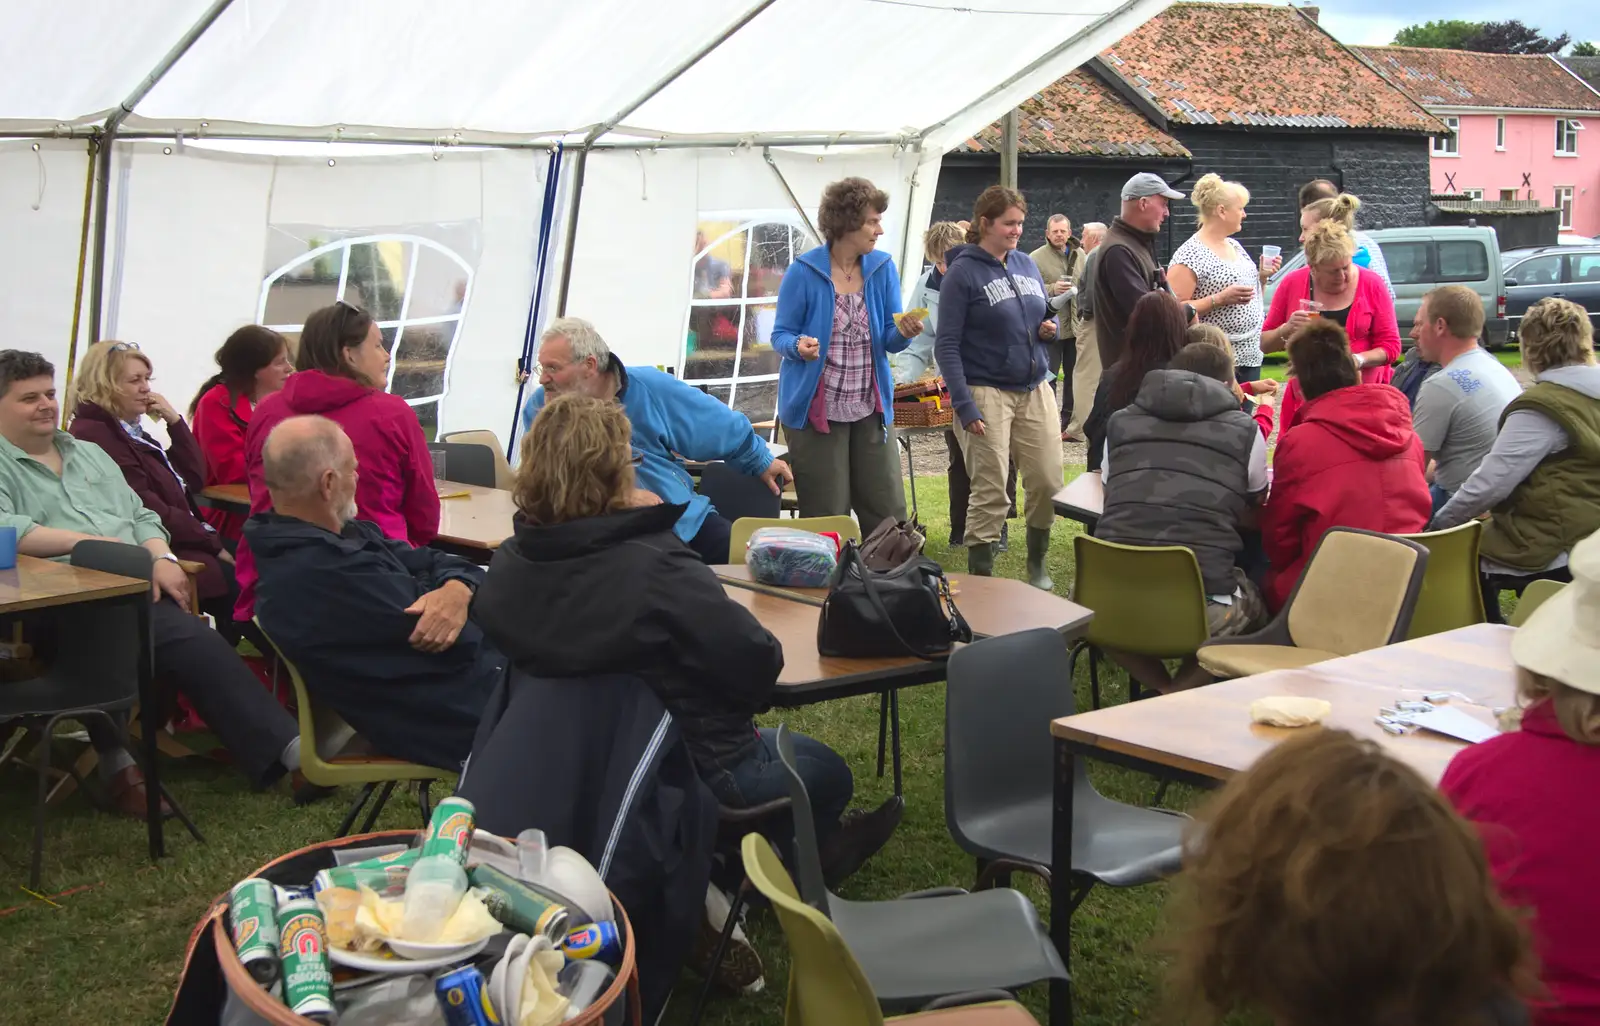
(1571, 272)
(1421, 259)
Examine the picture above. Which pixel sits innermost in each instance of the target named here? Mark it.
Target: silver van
(1421, 259)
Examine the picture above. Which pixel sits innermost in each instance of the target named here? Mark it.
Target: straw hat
(1562, 638)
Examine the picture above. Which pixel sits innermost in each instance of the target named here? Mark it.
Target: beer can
(450, 830)
(253, 919)
(601, 941)
(387, 878)
(303, 949)
(518, 905)
(463, 998)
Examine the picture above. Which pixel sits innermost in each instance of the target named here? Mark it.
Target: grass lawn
(1276, 365)
(112, 951)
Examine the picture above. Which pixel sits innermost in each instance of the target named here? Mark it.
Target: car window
(1408, 262)
(1539, 270)
(1585, 267)
(1463, 261)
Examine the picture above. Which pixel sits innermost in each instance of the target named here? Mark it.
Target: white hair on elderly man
(582, 339)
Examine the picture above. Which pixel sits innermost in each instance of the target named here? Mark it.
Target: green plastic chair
(367, 770)
(826, 984)
(1533, 596)
(1451, 596)
(1147, 600)
(739, 538)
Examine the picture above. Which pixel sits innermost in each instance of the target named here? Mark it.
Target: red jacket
(1352, 461)
(395, 487)
(159, 487)
(1535, 797)
(219, 427)
(1370, 324)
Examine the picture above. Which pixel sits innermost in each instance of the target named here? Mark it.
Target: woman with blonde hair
(1331, 287)
(594, 582)
(110, 397)
(1331, 885)
(1533, 792)
(1214, 275)
(1320, 200)
(1540, 482)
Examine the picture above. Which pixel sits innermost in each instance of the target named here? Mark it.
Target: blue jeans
(1440, 497)
(711, 542)
(1243, 374)
(761, 778)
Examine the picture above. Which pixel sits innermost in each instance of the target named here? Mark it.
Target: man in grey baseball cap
(1146, 184)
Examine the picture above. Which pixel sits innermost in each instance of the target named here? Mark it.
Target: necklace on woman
(848, 273)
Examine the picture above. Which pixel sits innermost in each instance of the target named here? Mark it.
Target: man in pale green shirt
(58, 491)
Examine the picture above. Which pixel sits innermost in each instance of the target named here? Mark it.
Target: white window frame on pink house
(1452, 138)
(1567, 128)
(1566, 219)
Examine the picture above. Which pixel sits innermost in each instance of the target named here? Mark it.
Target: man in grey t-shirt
(1458, 409)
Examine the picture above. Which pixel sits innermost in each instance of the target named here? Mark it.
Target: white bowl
(429, 952)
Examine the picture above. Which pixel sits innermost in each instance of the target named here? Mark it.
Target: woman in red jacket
(110, 397)
(1353, 460)
(255, 364)
(342, 369)
(1352, 297)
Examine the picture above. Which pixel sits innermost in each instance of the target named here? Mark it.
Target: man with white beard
(378, 629)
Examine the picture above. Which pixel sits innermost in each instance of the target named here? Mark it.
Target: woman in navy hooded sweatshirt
(994, 323)
(835, 330)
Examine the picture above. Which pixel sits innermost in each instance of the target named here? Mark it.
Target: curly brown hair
(845, 206)
(1319, 356)
(576, 461)
(1331, 884)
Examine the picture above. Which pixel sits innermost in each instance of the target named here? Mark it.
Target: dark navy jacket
(988, 332)
(335, 605)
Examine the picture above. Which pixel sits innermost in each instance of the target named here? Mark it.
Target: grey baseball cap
(1146, 183)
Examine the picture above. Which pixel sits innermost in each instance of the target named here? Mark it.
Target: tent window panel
(376, 279)
(428, 416)
(758, 356)
(419, 365)
(439, 287)
(713, 341)
(757, 400)
(293, 298)
(719, 267)
(771, 252)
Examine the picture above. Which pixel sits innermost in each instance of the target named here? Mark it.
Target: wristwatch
(169, 556)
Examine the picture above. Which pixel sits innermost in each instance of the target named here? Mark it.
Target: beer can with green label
(253, 918)
(450, 830)
(518, 905)
(386, 875)
(303, 949)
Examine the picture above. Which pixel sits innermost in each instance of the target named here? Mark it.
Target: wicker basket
(918, 389)
(932, 412)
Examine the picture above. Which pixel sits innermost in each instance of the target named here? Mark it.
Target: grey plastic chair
(467, 462)
(999, 774)
(735, 495)
(927, 944)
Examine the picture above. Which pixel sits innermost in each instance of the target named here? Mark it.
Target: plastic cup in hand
(8, 547)
(438, 464)
(1270, 254)
(532, 853)
(1311, 307)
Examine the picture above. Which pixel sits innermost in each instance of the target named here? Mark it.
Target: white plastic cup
(532, 854)
(1271, 252)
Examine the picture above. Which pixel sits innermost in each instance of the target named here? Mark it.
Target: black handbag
(871, 613)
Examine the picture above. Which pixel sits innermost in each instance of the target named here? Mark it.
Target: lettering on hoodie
(999, 290)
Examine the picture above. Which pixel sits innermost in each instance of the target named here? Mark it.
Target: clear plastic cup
(1311, 307)
(532, 854)
(438, 464)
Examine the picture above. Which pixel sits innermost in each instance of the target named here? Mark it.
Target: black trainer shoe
(859, 837)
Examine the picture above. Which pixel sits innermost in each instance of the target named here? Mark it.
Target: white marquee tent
(408, 150)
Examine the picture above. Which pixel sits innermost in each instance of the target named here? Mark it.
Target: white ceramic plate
(383, 962)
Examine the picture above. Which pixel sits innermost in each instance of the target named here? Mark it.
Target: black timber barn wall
(1389, 171)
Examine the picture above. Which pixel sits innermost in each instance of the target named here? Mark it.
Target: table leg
(1061, 883)
(894, 718)
(911, 470)
(150, 705)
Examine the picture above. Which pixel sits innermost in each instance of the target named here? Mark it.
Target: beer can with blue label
(463, 997)
(602, 941)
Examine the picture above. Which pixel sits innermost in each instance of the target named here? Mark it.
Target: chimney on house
(1311, 11)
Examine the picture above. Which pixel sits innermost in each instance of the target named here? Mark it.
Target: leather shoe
(859, 837)
(126, 793)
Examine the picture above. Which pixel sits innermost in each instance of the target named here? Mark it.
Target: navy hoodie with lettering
(988, 331)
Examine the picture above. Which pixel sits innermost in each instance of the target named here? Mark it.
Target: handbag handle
(853, 559)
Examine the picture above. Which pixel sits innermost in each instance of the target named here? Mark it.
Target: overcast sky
(1371, 22)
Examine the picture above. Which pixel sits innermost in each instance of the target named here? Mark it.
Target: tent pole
(108, 137)
(766, 154)
(570, 241)
(1008, 149)
(83, 260)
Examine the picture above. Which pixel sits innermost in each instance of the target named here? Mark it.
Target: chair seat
(917, 949)
(1245, 660)
(998, 1013)
(1116, 844)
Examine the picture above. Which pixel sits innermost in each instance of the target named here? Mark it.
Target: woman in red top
(1535, 793)
(342, 368)
(255, 364)
(1352, 297)
(1352, 461)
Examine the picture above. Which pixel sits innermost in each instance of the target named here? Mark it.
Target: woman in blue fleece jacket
(994, 323)
(835, 330)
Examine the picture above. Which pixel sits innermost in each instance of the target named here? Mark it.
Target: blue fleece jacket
(672, 419)
(805, 307)
(989, 317)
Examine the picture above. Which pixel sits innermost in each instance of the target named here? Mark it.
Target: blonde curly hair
(1341, 208)
(98, 373)
(1329, 242)
(576, 461)
(1211, 192)
(1555, 333)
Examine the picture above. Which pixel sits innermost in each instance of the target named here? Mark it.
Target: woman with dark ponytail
(254, 363)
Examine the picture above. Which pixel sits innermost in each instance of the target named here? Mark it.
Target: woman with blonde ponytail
(1213, 273)
(1329, 204)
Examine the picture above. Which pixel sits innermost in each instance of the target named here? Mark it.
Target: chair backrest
(735, 495)
(467, 464)
(845, 527)
(1358, 592)
(813, 891)
(1001, 696)
(114, 558)
(1146, 600)
(330, 724)
(1450, 596)
(1533, 596)
(826, 984)
(502, 469)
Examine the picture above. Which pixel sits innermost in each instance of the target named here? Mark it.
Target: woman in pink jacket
(342, 369)
(1353, 297)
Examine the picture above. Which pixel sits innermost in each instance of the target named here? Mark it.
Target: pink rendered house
(1522, 127)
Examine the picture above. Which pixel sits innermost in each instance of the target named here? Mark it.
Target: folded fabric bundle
(791, 558)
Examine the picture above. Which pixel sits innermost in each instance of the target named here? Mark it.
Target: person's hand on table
(777, 475)
(976, 427)
(441, 615)
(910, 326)
(645, 497)
(808, 347)
(1047, 330)
(157, 406)
(167, 578)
